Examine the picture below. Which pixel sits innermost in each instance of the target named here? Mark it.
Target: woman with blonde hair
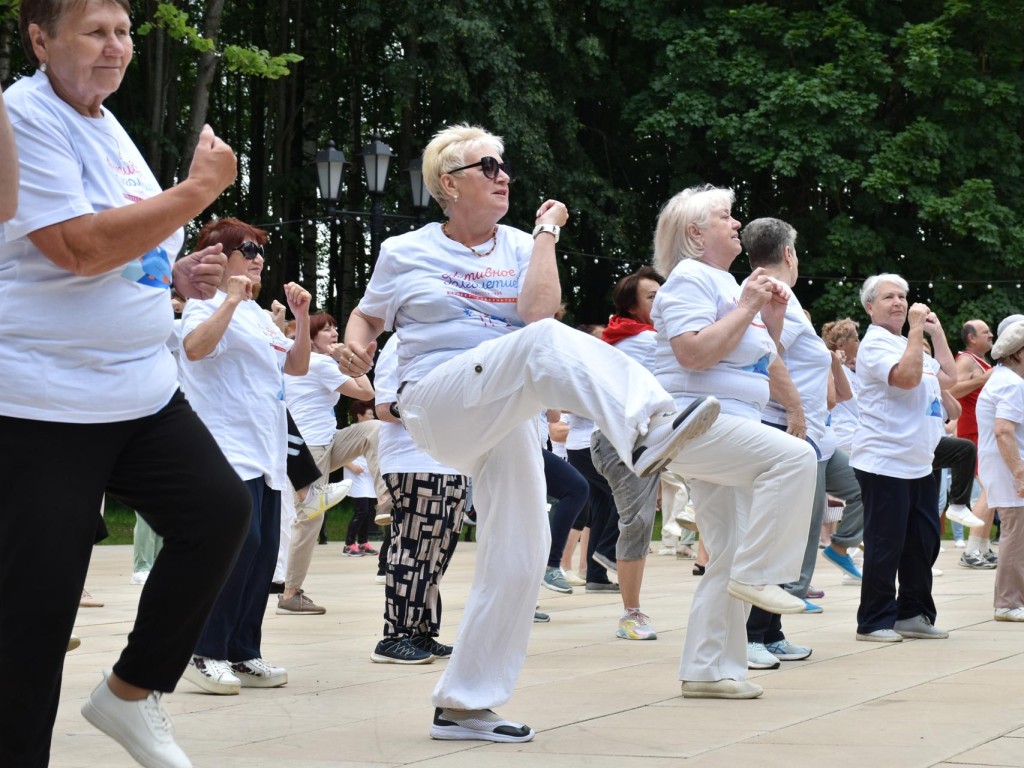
(479, 356)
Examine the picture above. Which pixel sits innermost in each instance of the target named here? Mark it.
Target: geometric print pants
(425, 525)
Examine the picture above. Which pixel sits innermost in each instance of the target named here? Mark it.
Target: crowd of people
(718, 390)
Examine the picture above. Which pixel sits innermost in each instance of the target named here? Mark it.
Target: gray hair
(447, 150)
(870, 290)
(672, 241)
(765, 241)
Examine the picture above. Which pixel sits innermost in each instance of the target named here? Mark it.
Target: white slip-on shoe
(721, 689)
(667, 432)
(768, 597)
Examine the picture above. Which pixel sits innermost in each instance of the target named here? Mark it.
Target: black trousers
(604, 518)
(363, 510)
(960, 457)
(167, 467)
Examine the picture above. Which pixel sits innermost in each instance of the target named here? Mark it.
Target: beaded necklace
(494, 241)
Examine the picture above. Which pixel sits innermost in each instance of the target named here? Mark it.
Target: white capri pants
(477, 413)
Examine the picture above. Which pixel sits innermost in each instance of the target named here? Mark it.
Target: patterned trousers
(425, 526)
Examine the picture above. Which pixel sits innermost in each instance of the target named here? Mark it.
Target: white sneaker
(959, 543)
(960, 513)
(141, 727)
(1009, 614)
(212, 675)
(936, 571)
(139, 578)
(319, 500)
(668, 432)
(257, 673)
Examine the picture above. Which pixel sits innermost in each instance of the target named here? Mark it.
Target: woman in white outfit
(479, 356)
(752, 485)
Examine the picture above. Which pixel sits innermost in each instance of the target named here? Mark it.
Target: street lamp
(330, 167)
(420, 192)
(376, 157)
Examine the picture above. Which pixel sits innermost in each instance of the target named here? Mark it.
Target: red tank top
(967, 424)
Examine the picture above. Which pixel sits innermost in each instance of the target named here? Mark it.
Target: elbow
(191, 353)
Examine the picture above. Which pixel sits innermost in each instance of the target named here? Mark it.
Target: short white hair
(870, 290)
(672, 241)
(447, 150)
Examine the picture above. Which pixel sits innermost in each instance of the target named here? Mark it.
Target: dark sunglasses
(490, 166)
(249, 250)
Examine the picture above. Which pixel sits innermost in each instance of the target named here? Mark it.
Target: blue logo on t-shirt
(761, 366)
(152, 269)
(935, 409)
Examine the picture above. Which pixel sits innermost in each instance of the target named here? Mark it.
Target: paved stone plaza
(595, 701)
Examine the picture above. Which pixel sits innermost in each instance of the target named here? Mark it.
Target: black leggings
(168, 467)
(362, 518)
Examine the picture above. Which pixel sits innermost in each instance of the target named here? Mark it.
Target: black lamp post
(376, 157)
(330, 167)
(420, 193)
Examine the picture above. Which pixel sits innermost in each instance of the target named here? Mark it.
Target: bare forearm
(296, 362)
(206, 336)
(843, 391)
(541, 292)
(357, 389)
(1006, 440)
(784, 392)
(944, 357)
(907, 373)
(705, 348)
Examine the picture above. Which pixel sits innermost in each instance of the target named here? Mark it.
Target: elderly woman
(901, 421)
(311, 400)
(234, 356)
(1000, 412)
(636, 498)
(85, 268)
(479, 357)
(752, 485)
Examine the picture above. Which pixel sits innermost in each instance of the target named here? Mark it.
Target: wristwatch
(554, 229)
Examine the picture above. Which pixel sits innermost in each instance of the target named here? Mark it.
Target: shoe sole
(791, 656)
(768, 606)
(201, 681)
(626, 636)
(111, 728)
(979, 567)
(1000, 617)
(379, 659)
(458, 733)
(287, 612)
(869, 639)
(252, 681)
(922, 635)
(715, 695)
(566, 590)
(755, 665)
(699, 418)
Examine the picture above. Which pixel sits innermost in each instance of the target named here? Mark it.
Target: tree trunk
(204, 79)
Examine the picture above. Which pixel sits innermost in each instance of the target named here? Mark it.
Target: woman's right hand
(552, 212)
(238, 288)
(918, 314)
(214, 165)
(757, 290)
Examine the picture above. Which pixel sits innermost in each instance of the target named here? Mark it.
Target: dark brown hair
(624, 297)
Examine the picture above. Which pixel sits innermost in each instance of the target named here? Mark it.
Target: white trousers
(753, 487)
(476, 413)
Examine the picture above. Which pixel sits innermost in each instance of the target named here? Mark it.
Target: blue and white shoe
(783, 650)
(843, 562)
(758, 657)
(810, 607)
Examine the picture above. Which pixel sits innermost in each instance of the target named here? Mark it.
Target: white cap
(1007, 322)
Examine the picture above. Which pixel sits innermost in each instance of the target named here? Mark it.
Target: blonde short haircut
(672, 241)
(447, 150)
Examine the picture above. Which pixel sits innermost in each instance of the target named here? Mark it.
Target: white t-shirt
(695, 296)
(899, 428)
(311, 399)
(396, 451)
(362, 483)
(1001, 397)
(809, 363)
(642, 348)
(846, 415)
(580, 430)
(238, 389)
(76, 349)
(441, 299)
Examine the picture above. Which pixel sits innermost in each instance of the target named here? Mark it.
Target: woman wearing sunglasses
(479, 356)
(233, 365)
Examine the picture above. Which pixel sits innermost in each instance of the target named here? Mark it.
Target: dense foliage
(888, 133)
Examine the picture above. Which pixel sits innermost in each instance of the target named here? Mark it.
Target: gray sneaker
(975, 561)
(554, 579)
(598, 586)
(920, 627)
(298, 604)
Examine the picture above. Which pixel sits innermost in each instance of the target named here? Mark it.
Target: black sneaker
(400, 650)
(476, 725)
(430, 645)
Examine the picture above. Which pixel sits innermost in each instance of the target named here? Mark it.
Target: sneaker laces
(641, 619)
(156, 717)
(261, 667)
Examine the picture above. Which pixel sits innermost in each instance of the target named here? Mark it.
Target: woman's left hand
(552, 212)
(198, 275)
(298, 299)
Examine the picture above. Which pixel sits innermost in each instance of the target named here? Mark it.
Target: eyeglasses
(490, 166)
(249, 250)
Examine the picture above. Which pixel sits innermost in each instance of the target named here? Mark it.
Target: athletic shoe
(367, 549)
(919, 627)
(298, 604)
(74, 641)
(936, 571)
(1001, 614)
(960, 513)
(352, 550)
(814, 594)
(768, 597)
(319, 500)
(431, 646)
(400, 650)
(721, 689)
(607, 563)
(212, 675)
(574, 578)
(881, 636)
(810, 607)
(257, 673)
(88, 601)
(554, 579)
(635, 625)
(600, 586)
(783, 650)
(975, 561)
(476, 725)
(139, 578)
(141, 727)
(843, 562)
(959, 543)
(380, 578)
(991, 557)
(668, 545)
(668, 432)
(758, 657)
(540, 618)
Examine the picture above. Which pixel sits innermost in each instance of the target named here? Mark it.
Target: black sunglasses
(490, 166)
(249, 250)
